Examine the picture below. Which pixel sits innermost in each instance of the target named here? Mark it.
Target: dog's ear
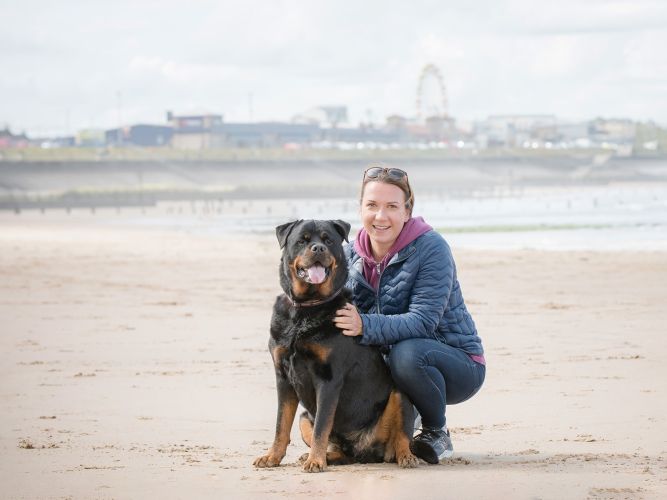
(342, 227)
(283, 231)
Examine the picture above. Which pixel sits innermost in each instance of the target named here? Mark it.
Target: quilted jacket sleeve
(427, 299)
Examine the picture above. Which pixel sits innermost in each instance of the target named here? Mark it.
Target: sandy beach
(133, 364)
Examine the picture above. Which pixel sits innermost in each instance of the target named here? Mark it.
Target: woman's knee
(405, 358)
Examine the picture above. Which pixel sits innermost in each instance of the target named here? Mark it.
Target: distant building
(325, 116)
(210, 131)
(613, 131)
(516, 130)
(90, 137)
(267, 134)
(140, 135)
(9, 140)
(434, 129)
(54, 142)
(196, 131)
(360, 135)
(574, 134)
(398, 125)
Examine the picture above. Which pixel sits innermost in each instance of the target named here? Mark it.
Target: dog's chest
(307, 358)
(300, 372)
(308, 364)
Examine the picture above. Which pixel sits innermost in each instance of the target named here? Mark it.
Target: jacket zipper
(377, 268)
(377, 292)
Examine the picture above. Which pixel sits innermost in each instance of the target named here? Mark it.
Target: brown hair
(385, 177)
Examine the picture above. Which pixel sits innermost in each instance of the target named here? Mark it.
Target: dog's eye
(300, 242)
(328, 242)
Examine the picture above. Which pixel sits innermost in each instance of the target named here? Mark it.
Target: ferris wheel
(438, 107)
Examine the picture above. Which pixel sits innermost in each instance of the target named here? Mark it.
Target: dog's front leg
(287, 404)
(327, 400)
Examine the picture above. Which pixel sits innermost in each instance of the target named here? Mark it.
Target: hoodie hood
(413, 229)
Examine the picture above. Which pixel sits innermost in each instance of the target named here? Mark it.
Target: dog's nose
(318, 248)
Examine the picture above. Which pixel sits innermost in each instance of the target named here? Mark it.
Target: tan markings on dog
(336, 457)
(299, 287)
(326, 288)
(398, 445)
(320, 352)
(334, 454)
(306, 428)
(390, 420)
(389, 430)
(362, 440)
(277, 354)
(317, 459)
(284, 426)
(277, 451)
(404, 457)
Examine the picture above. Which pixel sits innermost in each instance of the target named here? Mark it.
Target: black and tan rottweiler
(354, 413)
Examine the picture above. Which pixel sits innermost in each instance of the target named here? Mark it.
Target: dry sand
(134, 365)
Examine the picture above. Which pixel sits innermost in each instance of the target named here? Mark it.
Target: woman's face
(383, 215)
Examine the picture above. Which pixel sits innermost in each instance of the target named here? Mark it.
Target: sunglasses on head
(395, 174)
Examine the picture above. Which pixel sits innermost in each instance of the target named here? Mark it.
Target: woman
(407, 299)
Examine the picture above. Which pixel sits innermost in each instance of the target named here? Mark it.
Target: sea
(617, 217)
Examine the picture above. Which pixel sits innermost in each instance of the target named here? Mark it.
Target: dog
(354, 413)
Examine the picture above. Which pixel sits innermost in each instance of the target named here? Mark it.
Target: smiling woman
(408, 300)
(385, 208)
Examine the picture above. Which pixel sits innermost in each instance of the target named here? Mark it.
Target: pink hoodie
(413, 229)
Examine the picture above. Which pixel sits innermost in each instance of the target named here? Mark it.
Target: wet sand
(133, 364)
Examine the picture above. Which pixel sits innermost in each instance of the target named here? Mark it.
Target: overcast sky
(71, 64)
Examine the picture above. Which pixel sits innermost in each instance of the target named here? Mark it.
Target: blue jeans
(433, 374)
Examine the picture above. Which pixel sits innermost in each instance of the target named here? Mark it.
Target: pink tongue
(316, 274)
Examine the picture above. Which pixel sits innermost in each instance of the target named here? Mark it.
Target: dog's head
(313, 264)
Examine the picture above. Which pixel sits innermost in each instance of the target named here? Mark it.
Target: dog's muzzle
(315, 274)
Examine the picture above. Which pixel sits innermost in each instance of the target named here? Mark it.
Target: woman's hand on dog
(348, 320)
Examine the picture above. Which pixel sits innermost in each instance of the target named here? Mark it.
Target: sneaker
(432, 445)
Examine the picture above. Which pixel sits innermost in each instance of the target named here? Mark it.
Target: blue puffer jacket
(419, 297)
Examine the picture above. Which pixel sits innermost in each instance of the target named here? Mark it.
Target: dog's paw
(407, 461)
(313, 464)
(303, 458)
(268, 460)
